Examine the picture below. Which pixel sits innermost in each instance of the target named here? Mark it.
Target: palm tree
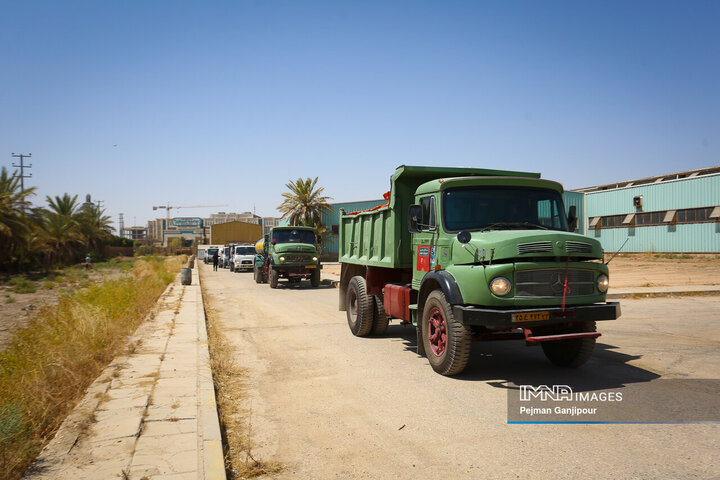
(61, 228)
(94, 226)
(304, 204)
(14, 224)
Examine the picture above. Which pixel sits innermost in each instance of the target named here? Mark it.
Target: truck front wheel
(274, 277)
(360, 307)
(258, 274)
(574, 352)
(446, 341)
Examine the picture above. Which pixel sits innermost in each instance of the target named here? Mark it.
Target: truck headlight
(314, 259)
(282, 259)
(500, 286)
(603, 283)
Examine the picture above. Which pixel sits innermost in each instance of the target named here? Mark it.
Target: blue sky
(215, 103)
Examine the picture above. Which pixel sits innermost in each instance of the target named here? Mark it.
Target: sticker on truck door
(423, 258)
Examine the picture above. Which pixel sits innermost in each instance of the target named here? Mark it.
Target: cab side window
(428, 211)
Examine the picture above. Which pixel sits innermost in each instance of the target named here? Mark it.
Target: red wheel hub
(437, 331)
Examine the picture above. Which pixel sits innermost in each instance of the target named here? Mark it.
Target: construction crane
(169, 207)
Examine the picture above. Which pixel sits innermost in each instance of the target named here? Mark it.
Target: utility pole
(122, 226)
(22, 167)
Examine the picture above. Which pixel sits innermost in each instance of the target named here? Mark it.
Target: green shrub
(22, 285)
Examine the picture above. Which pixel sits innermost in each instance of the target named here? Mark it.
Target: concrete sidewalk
(151, 414)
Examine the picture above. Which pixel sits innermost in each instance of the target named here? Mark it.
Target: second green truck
(474, 254)
(288, 252)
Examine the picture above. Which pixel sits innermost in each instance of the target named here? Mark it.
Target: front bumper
(296, 269)
(503, 319)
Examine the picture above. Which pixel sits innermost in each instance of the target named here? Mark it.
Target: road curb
(657, 293)
(213, 458)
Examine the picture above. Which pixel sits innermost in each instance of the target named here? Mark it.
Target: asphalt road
(329, 405)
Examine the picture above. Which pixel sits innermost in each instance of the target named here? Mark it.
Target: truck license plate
(530, 316)
(310, 266)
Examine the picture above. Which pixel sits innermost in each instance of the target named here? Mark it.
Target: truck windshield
(212, 251)
(244, 250)
(502, 208)
(293, 236)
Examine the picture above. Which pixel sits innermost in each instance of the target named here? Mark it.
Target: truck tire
(359, 307)
(380, 318)
(446, 341)
(274, 277)
(574, 352)
(315, 279)
(258, 275)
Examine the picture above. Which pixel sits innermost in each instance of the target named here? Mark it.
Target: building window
(665, 217)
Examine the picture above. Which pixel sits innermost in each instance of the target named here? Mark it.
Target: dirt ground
(642, 270)
(16, 309)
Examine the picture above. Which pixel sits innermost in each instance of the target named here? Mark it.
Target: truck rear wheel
(380, 318)
(315, 279)
(574, 352)
(257, 274)
(274, 277)
(360, 307)
(446, 341)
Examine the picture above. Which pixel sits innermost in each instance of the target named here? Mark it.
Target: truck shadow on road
(505, 364)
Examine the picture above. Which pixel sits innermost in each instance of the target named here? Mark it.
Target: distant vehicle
(243, 258)
(288, 252)
(225, 256)
(209, 254)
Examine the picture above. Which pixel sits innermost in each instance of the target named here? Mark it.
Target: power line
(22, 167)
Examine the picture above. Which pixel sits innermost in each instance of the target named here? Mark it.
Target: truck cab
(467, 254)
(288, 252)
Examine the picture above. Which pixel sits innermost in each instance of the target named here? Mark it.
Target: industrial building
(235, 232)
(195, 229)
(678, 213)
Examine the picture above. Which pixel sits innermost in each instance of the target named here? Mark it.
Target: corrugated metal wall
(691, 238)
(674, 195)
(685, 193)
(235, 232)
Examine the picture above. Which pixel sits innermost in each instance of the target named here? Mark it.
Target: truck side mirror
(464, 237)
(414, 218)
(572, 218)
(319, 239)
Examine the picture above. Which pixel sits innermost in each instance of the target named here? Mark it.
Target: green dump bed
(380, 237)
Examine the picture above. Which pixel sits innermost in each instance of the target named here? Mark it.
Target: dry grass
(229, 379)
(46, 369)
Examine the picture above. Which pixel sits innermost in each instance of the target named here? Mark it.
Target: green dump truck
(288, 252)
(474, 254)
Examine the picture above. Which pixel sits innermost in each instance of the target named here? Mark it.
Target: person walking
(215, 261)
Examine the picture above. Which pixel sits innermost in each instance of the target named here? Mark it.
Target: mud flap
(419, 340)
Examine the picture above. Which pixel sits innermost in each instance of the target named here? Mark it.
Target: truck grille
(578, 247)
(550, 282)
(295, 258)
(535, 247)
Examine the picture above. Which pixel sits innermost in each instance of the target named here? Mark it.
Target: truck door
(425, 242)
